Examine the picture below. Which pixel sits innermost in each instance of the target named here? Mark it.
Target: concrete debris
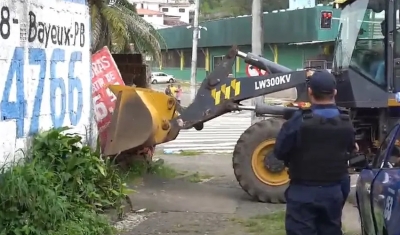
(130, 221)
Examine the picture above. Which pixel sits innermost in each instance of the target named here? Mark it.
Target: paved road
(212, 207)
(218, 135)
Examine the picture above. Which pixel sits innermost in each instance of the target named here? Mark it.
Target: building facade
(295, 46)
(165, 13)
(293, 38)
(155, 18)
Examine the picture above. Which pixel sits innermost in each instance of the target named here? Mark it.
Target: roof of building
(148, 12)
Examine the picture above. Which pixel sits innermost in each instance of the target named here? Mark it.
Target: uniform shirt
(286, 140)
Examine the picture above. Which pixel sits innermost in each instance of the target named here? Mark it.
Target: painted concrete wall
(44, 69)
(168, 8)
(156, 20)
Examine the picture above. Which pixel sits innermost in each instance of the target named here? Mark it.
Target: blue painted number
(37, 56)
(75, 84)
(16, 109)
(55, 84)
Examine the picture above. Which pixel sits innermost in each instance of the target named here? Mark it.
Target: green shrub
(60, 188)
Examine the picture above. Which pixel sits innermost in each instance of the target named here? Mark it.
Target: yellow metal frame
(393, 103)
(158, 107)
(207, 60)
(226, 91)
(237, 69)
(182, 62)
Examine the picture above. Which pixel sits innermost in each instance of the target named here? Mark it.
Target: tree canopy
(117, 25)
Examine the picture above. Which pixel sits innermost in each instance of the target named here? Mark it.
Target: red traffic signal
(327, 15)
(326, 19)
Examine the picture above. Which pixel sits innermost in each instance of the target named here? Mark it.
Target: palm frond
(96, 23)
(145, 38)
(118, 26)
(127, 4)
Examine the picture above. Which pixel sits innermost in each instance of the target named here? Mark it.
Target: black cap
(322, 82)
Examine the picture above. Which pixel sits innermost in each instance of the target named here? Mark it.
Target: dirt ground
(204, 198)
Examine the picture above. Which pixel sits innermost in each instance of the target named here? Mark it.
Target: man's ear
(334, 92)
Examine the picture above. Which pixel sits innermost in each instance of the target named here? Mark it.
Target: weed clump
(61, 188)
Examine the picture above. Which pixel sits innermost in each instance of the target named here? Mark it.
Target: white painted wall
(154, 19)
(149, 6)
(174, 11)
(44, 73)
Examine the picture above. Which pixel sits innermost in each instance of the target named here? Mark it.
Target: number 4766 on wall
(16, 110)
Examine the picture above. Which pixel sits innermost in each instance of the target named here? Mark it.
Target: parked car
(378, 189)
(160, 77)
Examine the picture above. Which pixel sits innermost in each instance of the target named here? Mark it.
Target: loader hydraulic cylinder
(262, 63)
(263, 109)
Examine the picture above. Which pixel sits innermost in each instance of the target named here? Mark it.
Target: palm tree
(117, 25)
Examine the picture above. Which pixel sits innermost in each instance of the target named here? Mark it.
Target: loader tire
(254, 144)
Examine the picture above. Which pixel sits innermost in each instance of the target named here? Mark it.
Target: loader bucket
(140, 119)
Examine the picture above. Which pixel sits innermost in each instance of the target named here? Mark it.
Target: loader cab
(366, 52)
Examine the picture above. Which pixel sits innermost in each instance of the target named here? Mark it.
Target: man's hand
(356, 148)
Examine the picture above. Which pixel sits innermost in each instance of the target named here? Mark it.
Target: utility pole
(194, 50)
(257, 44)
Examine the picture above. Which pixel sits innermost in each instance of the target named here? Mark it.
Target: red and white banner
(104, 73)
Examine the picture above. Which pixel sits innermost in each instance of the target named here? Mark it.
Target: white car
(160, 77)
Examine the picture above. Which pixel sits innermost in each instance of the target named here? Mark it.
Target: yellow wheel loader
(144, 118)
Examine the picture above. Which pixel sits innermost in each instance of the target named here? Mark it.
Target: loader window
(351, 20)
(361, 44)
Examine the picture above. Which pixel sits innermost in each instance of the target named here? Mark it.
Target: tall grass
(60, 188)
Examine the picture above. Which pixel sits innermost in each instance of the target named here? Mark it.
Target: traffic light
(326, 19)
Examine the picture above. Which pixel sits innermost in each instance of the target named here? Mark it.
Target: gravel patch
(131, 220)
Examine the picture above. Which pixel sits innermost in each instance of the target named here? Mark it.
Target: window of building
(181, 10)
(141, 15)
(141, 5)
(217, 61)
(164, 9)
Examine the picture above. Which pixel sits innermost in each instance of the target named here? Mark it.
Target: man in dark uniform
(313, 145)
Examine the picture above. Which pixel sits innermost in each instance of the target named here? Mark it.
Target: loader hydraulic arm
(144, 118)
(219, 94)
